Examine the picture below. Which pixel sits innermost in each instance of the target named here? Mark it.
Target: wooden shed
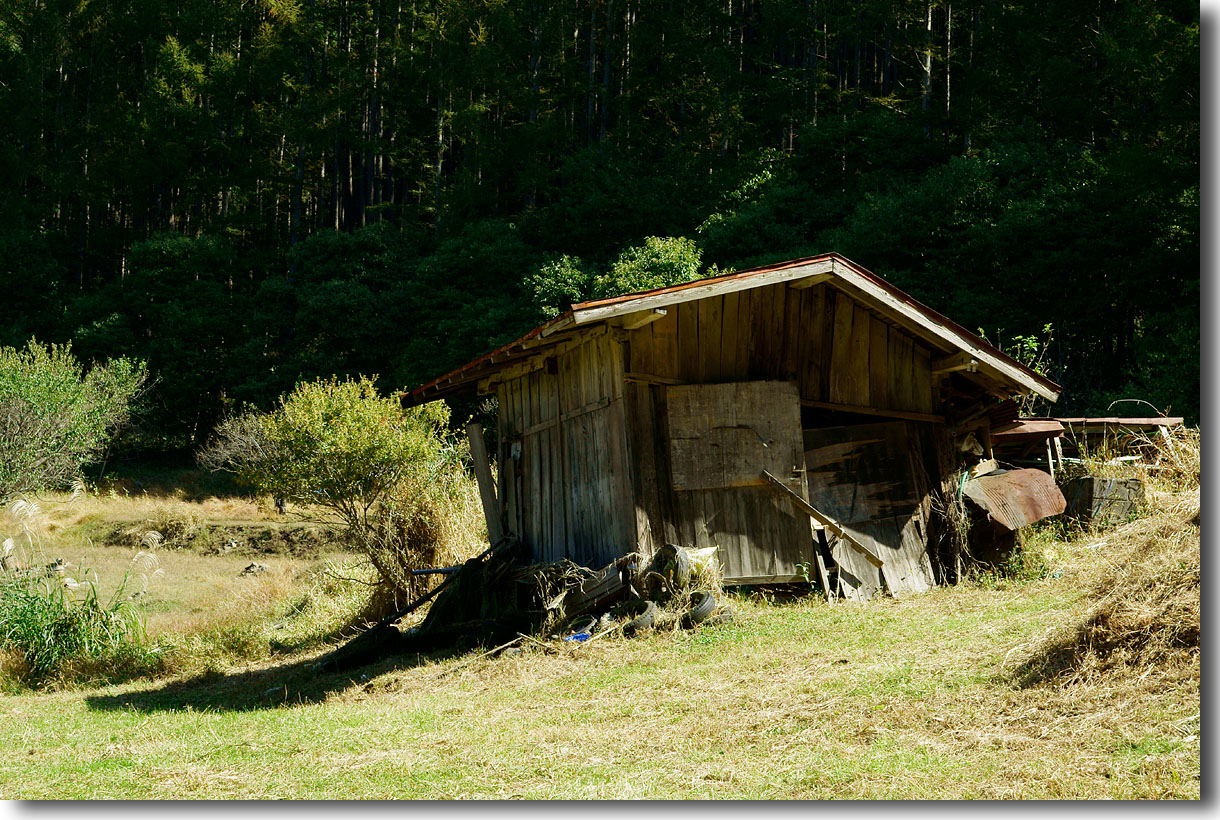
(755, 412)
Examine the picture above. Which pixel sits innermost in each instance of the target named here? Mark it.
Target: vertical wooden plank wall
(573, 493)
(592, 480)
(833, 347)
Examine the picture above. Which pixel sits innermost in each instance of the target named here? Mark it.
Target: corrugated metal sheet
(1017, 498)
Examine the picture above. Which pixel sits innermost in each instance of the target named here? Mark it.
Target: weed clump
(54, 623)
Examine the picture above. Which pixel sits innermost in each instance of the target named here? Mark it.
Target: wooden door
(720, 439)
(865, 477)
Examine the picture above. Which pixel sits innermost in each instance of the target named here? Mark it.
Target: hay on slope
(1142, 609)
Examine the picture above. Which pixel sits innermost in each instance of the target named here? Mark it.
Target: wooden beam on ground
(864, 410)
(487, 487)
(822, 518)
(819, 540)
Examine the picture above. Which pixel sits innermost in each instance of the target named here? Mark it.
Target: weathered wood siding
(871, 478)
(721, 437)
(585, 459)
(563, 474)
(833, 348)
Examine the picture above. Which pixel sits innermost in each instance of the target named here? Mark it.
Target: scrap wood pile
(499, 597)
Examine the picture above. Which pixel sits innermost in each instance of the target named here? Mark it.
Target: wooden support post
(1050, 459)
(819, 540)
(953, 363)
(635, 321)
(487, 487)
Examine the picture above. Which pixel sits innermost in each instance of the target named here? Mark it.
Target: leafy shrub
(659, 262)
(54, 416)
(559, 283)
(342, 454)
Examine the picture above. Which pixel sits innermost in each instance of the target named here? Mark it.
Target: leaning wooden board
(862, 476)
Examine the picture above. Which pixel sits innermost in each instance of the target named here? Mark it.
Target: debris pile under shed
(499, 597)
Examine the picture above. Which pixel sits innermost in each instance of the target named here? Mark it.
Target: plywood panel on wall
(720, 439)
(725, 435)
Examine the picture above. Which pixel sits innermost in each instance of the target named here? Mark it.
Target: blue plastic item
(579, 636)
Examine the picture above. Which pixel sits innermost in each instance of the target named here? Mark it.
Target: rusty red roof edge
(486, 357)
(417, 395)
(724, 277)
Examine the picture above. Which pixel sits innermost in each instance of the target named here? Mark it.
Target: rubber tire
(682, 568)
(644, 620)
(725, 617)
(702, 605)
(673, 564)
(582, 623)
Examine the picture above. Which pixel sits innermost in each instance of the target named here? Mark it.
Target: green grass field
(914, 698)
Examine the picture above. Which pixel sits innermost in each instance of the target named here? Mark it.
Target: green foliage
(388, 476)
(658, 263)
(464, 299)
(53, 616)
(340, 445)
(55, 415)
(58, 621)
(1031, 351)
(354, 188)
(558, 284)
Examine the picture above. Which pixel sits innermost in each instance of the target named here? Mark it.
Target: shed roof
(961, 349)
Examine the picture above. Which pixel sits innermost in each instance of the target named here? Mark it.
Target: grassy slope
(206, 546)
(901, 699)
(907, 699)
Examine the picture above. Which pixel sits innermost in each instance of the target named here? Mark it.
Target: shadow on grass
(299, 682)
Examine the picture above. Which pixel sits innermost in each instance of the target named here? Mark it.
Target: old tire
(702, 604)
(645, 615)
(672, 563)
(725, 617)
(582, 623)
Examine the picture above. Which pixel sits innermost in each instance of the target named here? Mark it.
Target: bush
(658, 263)
(344, 455)
(54, 416)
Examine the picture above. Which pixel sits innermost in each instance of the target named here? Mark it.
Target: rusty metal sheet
(1017, 498)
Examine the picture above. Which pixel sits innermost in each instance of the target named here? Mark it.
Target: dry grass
(436, 521)
(1142, 610)
(1140, 617)
(1084, 683)
(897, 699)
(200, 611)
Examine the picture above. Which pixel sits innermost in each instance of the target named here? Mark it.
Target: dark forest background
(247, 193)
